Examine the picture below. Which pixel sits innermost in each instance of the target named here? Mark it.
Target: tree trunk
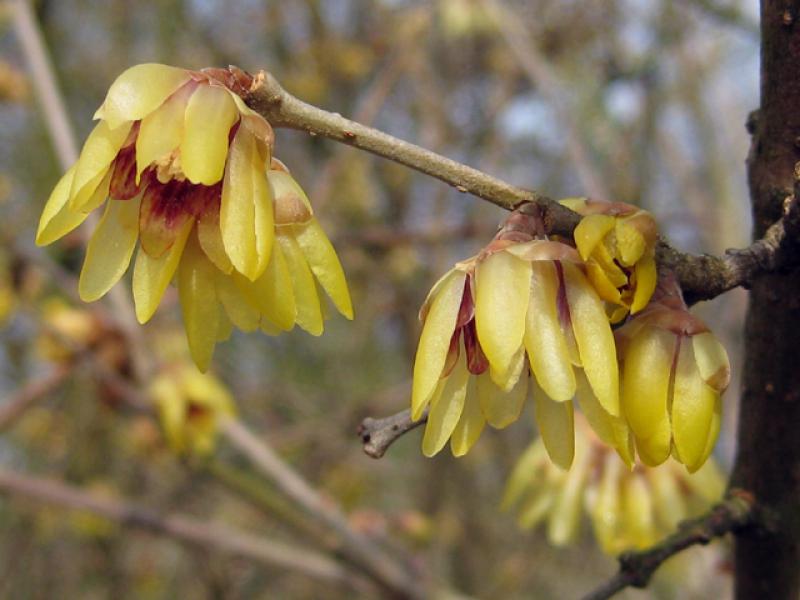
(768, 461)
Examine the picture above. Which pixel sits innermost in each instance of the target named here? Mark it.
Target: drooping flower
(628, 508)
(451, 371)
(617, 241)
(182, 165)
(674, 371)
(190, 406)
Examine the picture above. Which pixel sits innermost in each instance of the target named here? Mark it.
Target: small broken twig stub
(378, 434)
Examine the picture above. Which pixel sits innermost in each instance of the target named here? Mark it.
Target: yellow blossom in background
(190, 406)
(617, 241)
(628, 508)
(674, 371)
(181, 164)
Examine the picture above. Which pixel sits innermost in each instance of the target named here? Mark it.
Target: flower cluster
(535, 317)
(628, 508)
(185, 170)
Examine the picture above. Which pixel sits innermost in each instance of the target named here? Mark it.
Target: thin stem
(378, 434)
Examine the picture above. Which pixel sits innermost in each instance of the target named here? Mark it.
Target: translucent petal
(590, 232)
(435, 341)
(471, 423)
(224, 325)
(161, 131)
(713, 433)
(500, 408)
(325, 264)
(656, 449)
(151, 276)
(291, 203)
(198, 297)
(645, 381)
(238, 309)
(602, 285)
(556, 426)
(110, 249)
(646, 277)
(605, 509)
(525, 472)
(566, 513)
(631, 244)
(712, 360)
(100, 194)
(506, 381)
(692, 409)
(57, 219)
(309, 313)
(446, 409)
(638, 512)
(434, 291)
(611, 430)
(100, 148)
(544, 340)
(209, 116)
(594, 338)
(246, 219)
(210, 238)
(503, 284)
(276, 292)
(139, 91)
(603, 257)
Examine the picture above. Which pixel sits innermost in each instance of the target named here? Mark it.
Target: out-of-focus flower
(617, 241)
(519, 296)
(183, 163)
(69, 330)
(190, 405)
(674, 371)
(629, 508)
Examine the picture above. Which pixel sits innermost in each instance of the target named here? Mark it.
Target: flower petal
(503, 284)
(712, 360)
(590, 232)
(544, 340)
(645, 381)
(556, 426)
(565, 516)
(594, 338)
(161, 131)
(692, 409)
(605, 509)
(500, 408)
(637, 510)
(199, 304)
(164, 212)
(646, 276)
(210, 238)
(110, 249)
(246, 213)
(238, 309)
(713, 434)
(307, 301)
(139, 91)
(446, 409)
(99, 150)
(57, 219)
(611, 430)
(434, 341)
(151, 276)
(324, 264)
(631, 244)
(471, 423)
(210, 114)
(525, 473)
(656, 449)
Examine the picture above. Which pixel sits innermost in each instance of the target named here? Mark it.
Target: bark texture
(768, 461)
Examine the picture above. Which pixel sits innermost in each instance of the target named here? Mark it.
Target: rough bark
(768, 461)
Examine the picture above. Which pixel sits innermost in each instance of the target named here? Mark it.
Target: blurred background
(637, 101)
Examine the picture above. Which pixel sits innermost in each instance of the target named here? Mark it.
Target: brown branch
(733, 514)
(378, 434)
(29, 394)
(185, 529)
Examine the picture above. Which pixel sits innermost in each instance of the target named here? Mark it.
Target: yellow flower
(533, 297)
(629, 508)
(513, 300)
(673, 374)
(183, 163)
(190, 406)
(451, 371)
(618, 242)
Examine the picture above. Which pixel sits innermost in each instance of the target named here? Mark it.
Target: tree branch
(185, 529)
(378, 434)
(734, 513)
(29, 394)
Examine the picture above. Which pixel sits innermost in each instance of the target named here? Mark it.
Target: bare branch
(29, 394)
(185, 529)
(733, 514)
(386, 570)
(378, 434)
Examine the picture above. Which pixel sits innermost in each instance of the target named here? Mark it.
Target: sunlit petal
(100, 148)
(210, 114)
(500, 408)
(161, 131)
(471, 423)
(57, 219)
(307, 300)
(590, 232)
(556, 426)
(646, 276)
(199, 304)
(692, 409)
(712, 360)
